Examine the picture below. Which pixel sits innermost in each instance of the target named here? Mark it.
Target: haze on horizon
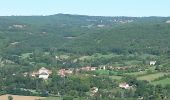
(136, 8)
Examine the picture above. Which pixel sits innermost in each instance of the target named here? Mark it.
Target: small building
(94, 90)
(168, 21)
(102, 67)
(64, 72)
(25, 74)
(88, 68)
(152, 62)
(69, 71)
(34, 74)
(93, 68)
(44, 73)
(61, 72)
(124, 85)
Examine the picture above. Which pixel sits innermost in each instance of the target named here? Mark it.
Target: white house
(168, 21)
(152, 62)
(44, 73)
(124, 85)
(93, 68)
(102, 67)
(94, 90)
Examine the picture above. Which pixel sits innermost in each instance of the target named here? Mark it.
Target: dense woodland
(28, 43)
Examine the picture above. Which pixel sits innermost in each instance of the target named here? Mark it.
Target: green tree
(10, 97)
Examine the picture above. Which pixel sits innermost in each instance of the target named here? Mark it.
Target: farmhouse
(152, 62)
(94, 90)
(168, 21)
(64, 72)
(102, 67)
(44, 73)
(34, 74)
(124, 85)
(93, 68)
(61, 72)
(121, 68)
(88, 68)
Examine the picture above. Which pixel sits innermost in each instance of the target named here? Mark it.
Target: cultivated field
(136, 73)
(151, 77)
(17, 97)
(116, 77)
(162, 82)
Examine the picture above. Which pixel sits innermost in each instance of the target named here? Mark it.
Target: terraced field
(151, 77)
(162, 82)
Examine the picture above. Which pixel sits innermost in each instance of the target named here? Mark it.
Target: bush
(10, 97)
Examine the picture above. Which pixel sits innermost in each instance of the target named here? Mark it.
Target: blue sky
(86, 7)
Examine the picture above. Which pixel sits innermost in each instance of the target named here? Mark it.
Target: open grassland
(162, 82)
(116, 77)
(105, 72)
(136, 73)
(17, 97)
(151, 77)
(52, 98)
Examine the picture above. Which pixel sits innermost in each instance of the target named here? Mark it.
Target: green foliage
(10, 98)
(30, 42)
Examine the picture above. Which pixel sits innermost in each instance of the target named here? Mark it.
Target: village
(44, 73)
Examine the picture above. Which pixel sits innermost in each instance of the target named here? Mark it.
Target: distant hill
(84, 34)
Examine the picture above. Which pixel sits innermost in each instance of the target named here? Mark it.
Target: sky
(86, 7)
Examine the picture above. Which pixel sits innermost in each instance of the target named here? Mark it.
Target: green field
(52, 98)
(162, 82)
(136, 73)
(105, 72)
(115, 77)
(151, 77)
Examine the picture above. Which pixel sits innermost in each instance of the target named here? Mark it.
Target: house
(100, 26)
(93, 68)
(88, 68)
(121, 68)
(152, 62)
(124, 85)
(44, 73)
(94, 90)
(64, 72)
(168, 21)
(25, 74)
(69, 71)
(34, 74)
(61, 72)
(18, 26)
(102, 67)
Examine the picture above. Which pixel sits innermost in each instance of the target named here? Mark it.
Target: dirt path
(17, 97)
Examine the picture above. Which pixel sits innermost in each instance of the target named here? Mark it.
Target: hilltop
(84, 34)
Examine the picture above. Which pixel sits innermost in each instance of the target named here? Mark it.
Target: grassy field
(115, 77)
(17, 97)
(52, 98)
(136, 73)
(151, 77)
(162, 82)
(105, 72)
